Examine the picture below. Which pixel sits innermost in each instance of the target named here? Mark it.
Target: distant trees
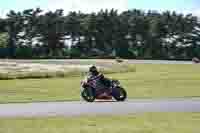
(106, 34)
(3, 40)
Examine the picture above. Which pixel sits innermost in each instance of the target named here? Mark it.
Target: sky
(183, 6)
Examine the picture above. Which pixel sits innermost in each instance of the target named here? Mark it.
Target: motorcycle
(91, 91)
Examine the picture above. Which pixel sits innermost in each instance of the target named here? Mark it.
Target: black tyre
(88, 94)
(119, 94)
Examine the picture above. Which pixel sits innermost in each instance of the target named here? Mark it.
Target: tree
(30, 26)
(3, 34)
(3, 40)
(130, 34)
(50, 28)
(2, 25)
(14, 27)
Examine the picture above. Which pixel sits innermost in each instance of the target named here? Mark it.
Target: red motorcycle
(92, 89)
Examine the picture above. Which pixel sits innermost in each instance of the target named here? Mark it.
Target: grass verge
(149, 81)
(141, 123)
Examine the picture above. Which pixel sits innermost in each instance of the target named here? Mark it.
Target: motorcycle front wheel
(88, 94)
(119, 93)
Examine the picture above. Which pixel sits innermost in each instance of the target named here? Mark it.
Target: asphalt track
(46, 109)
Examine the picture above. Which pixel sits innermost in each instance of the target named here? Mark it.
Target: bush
(4, 52)
(24, 52)
(75, 53)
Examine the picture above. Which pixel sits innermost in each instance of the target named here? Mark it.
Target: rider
(94, 74)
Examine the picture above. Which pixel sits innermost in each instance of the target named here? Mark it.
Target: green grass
(149, 81)
(142, 123)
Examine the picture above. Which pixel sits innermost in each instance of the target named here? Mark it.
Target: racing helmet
(93, 70)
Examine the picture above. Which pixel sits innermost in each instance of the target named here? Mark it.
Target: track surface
(45, 109)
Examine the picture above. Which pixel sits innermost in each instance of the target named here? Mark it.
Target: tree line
(132, 34)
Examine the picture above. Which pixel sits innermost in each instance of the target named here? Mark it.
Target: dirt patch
(42, 69)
